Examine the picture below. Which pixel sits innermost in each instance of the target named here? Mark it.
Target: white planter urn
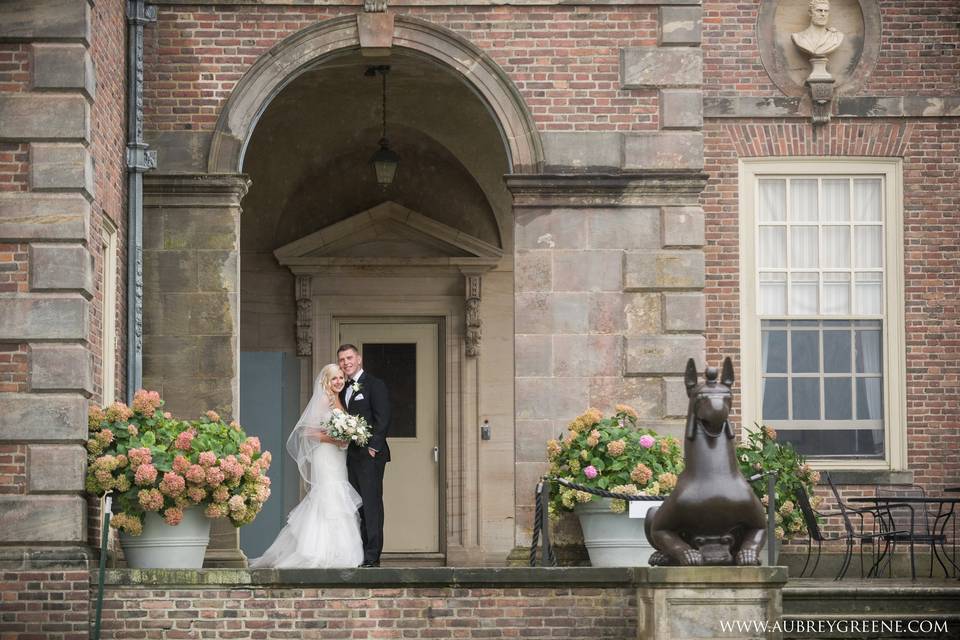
(161, 546)
(615, 539)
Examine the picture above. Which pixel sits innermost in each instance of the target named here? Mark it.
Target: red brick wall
(43, 604)
(295, 612)
(931, 175)
(108, 146)
(13, 466)
(918, 50)
(563, 60)
(14, 67)
(14, 167)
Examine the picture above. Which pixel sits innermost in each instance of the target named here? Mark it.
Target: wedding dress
(323, 531)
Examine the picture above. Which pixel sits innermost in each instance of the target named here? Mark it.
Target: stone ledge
(869, 477)
(609, 577)
(25, 558)
(846, 107)
(629, 189)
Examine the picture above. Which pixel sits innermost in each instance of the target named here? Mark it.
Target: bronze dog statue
(712, 517)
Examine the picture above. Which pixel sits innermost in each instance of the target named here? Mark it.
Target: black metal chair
(815, 534)
(883, 530)
(916, 520)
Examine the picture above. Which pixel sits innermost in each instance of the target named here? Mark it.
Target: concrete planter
(161, 546)
(613, 539)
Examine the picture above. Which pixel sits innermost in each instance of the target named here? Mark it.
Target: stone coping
(500, 577)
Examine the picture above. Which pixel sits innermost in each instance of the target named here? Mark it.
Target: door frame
(438, 321)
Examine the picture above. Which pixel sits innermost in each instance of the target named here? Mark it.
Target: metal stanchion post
(103, 564)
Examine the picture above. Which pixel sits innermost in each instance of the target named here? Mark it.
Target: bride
(323, 531)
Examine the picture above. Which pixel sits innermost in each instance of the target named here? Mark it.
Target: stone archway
(282, 64)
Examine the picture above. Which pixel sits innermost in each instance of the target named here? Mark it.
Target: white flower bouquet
(348, 428)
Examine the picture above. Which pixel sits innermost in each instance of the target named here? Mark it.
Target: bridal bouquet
(343, 426)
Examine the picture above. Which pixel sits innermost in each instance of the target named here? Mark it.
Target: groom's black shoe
(375, 563)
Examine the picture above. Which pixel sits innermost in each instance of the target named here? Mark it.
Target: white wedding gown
(323, 531)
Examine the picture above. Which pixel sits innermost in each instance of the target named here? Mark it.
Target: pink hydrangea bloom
(208, 458)
(118, 412)
(172, 484)
(146, 402)
(213, 416)
(641, 473)
(173, 516)
(132, 430)
(145, 474)
(181, 464)
(590, 472)
(150, 499)
(647, 441)
(196, 494)
(105, 437)
(216, 511)
(254, 442)
(139, 456)
(221, 494)
(214, 476)
(236, 503)
(184, 440)
(196, 474)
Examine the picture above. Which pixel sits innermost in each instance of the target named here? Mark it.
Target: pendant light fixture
(385, 161)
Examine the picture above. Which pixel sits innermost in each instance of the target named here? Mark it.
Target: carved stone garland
(472, 306)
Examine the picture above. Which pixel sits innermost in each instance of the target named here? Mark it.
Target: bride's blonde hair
(326, 375)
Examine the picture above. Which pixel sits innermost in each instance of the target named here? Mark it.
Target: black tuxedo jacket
(372, 403)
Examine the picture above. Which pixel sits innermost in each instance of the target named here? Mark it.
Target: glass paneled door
(405, 356)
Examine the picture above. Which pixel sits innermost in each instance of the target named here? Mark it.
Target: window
(822, 312)
(109, 332)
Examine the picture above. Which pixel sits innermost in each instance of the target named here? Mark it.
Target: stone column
(191, 308)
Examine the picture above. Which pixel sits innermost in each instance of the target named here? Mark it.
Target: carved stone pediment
(388, 234)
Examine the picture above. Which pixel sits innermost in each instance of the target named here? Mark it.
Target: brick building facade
(634, 136)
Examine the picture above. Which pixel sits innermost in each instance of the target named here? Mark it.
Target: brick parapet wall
(241, 611)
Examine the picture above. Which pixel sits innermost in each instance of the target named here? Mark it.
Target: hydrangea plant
(763, 452)
(611, 453)
(153, 462)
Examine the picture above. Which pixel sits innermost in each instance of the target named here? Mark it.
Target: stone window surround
(893, 321)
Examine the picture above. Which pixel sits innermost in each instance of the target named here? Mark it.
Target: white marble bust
(818, 40)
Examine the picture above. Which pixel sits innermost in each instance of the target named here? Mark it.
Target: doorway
(404, 353)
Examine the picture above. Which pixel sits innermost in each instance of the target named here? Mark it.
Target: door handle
(436, 454)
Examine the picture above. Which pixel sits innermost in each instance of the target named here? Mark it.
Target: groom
(366, 396)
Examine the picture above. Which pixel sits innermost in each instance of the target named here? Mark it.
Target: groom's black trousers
(366, 476)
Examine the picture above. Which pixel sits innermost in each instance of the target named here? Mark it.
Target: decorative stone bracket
(304, 315)
(821, 91)
(473, 293)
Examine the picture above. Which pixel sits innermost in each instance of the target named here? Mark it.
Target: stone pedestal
(709, 602)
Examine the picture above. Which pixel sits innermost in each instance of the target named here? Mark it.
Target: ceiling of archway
(308, 158)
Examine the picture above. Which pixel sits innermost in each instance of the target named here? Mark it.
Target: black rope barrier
(541, 524)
